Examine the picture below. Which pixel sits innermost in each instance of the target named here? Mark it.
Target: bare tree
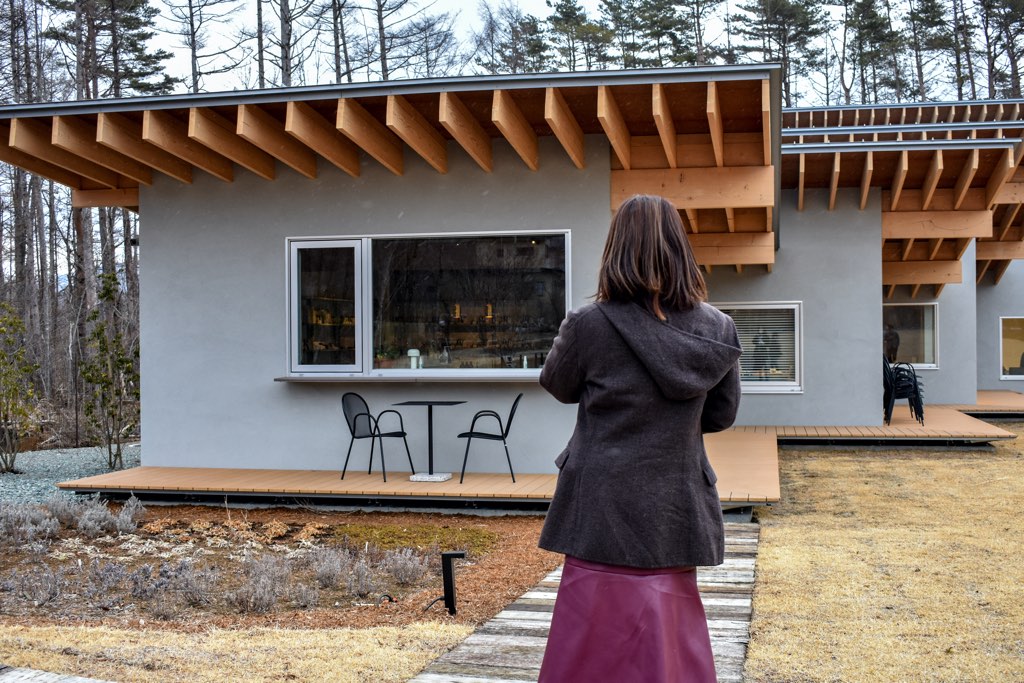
(194, 21)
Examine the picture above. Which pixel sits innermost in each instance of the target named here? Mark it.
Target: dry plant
(892, 565)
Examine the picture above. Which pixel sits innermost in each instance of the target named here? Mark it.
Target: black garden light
(448, 578)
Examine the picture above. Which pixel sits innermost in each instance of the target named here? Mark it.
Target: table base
(436, 476)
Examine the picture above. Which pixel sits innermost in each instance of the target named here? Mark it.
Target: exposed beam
(907, 245)
(266, 133)
(414, 129)
(33, 164)
(304, 124)
(914, 290)
(982, 268)
(766, 121)
(1002, 172)
(467, 131)
(999, 251)
(699, 188)
(935, 224)
(34, 138)
(84, 199)
(79, 138)
(663, 120)
(898, 178)
(938, 290)
(834, 182)
(963, 182)
(506, 115)
(800, 187)
(691, 215)
(123, 135)
(1001, 270)
(370, 134)
(921, 272)
(171, 135)
(1007, 222)
(961, 246)
(1010, 193)
(931, 181)
(614, 126)
(564, 126)
(728, 249)
(730, 218)
(890, 292)
(865, 179)
(715, 123)
(214, 131)
(933, 248)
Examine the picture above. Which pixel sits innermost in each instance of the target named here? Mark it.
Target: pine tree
(566, 25)
(930, 36)
(509, 41)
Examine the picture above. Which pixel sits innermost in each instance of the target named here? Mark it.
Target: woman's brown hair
(648, 259)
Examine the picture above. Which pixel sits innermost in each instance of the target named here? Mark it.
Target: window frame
(364, 310)
(999, 333)
(293, 327)
(796, 385)
(935, 332)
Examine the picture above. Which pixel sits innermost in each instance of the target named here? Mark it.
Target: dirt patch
(884, 565)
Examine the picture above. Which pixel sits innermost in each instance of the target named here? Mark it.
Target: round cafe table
(430, 476)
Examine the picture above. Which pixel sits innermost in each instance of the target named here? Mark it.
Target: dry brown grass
(381, 654)
(886, 565)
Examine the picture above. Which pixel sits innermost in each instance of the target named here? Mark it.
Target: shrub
(361, 581)
(95, 518)
(143, 585)
(21, 524)
(128, 518)
(265, 579)
(103, 580)
(306, 596)
(40, 585)
(63, 508)
(405, 566)
(195, 585)
(329, 566)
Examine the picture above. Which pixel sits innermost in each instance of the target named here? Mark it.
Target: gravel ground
(40, 471)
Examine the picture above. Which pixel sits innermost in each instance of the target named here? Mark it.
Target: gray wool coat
(635, 487)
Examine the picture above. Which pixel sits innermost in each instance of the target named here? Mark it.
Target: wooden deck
(510, 647)
(995, 404)
(747, 467)
(942, 424)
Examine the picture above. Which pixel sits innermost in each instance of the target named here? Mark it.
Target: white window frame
(295, 367)
(364, 288)
(795, 386)
(999, 332)
(935, 341)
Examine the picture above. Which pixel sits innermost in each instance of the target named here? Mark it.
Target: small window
(1011, 348)
(910, 334)
(770, 336)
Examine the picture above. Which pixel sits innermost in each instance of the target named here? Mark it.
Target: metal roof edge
(897, 145)
(901, 105)
(401, 87)
(902, 128)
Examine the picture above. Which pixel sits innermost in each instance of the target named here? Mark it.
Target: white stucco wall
(830, 261)
(994, 301)
(213, 307)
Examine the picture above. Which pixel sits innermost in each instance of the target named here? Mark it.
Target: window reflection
(327, 334)
(467, 302)
(1013, 347)
(908, 333)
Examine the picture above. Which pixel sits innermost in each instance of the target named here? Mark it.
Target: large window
(770, 336)
(1011, 348)
(453, 305)
(910, 334)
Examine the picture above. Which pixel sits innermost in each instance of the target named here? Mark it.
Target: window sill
(755, 389)
(525, 376)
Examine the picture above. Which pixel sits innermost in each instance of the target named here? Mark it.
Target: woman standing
(653, 368)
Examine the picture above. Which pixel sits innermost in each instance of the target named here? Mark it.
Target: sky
(466, 11)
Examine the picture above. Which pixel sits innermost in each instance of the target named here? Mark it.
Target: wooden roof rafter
(467, 131)
(304, 124)
(124, 136)
(213, 130)
(267, 134)
(162, 130)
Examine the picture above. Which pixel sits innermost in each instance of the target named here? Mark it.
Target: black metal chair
(901, 381)
(500, 435)
(363, 425)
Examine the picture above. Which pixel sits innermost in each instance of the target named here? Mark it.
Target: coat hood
(686, 355)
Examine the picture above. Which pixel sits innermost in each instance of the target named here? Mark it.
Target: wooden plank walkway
(944, 424)
(15, 675)
(510, 647)
(747, 467)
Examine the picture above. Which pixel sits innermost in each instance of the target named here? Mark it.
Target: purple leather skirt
(626, 625)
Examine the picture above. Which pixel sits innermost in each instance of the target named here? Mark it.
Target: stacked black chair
(364, 425)
(901, 381)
